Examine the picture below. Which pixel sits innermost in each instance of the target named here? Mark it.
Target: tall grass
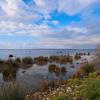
(12, 92)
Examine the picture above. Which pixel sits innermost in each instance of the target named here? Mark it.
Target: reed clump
(56, 69)
(18, 60)
(77, 56)
(27, 60)
(86, 69)
(40, 60)
(12, 92)
(61, 59)
(63, 69)
(51, 68)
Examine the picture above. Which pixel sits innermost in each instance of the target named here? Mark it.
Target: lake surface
(4, 54)
(32, 77)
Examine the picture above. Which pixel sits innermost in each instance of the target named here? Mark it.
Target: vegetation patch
(12, 92)
(61, 59)
(40, 60)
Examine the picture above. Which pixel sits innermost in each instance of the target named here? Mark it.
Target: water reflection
(29, 73)
(56, 72)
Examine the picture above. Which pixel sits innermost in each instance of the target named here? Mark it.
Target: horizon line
(53, 49)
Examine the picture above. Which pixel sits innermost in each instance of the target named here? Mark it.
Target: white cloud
(72, 7)
(85, 3)
(55, 22)
(8, 27)
(17, 10)
(77, 29)
(90, 40)
(16, 17)
(10, 7)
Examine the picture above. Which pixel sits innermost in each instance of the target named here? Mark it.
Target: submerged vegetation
(27, 60)
(40, 60)
(83, 85)
(77, 56)
(56, 69)
(18, 61)
(61, 59)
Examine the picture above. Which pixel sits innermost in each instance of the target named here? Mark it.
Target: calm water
(32, 77)
(40, 52)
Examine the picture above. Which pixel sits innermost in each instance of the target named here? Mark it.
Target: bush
(77, 56)
(51, 68)
(41, 60)
(89, 90)
(87, 68)
(27, 60)
(18, 60)
(61, 59)
(63, 69)
(57, 69)
(74, 82)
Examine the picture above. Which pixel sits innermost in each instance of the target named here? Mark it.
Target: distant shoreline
(47, 49)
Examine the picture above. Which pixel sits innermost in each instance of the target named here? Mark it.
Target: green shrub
(59, 98)
(74, 82)
(89, 90)
(92, 75)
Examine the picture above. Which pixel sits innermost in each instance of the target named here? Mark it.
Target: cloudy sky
(31, 24)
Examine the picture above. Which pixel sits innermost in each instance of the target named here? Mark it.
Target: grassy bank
(84, 85)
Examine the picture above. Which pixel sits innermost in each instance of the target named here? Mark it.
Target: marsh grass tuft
(12, 92)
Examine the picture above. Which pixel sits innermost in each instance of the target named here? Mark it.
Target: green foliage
(74, 82)
(59, 98)
(92, 75)
(89, 90)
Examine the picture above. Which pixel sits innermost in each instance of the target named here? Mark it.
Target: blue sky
(31, 24)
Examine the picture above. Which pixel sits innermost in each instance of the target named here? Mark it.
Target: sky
(33, 24)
